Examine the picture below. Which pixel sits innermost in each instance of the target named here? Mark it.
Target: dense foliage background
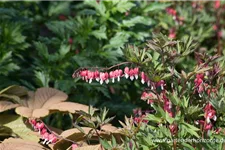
(42, 43)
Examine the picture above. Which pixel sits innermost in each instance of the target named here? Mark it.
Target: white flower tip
(90, 80)
(136, 76)
(101, 81)
(196, 122)
(107, 81)
(214, 118)
(45, 141)
(142, 81)
(207, 120)
(131, 78)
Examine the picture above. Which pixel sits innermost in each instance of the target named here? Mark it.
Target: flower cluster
(173, 129)
(145, 79)
(210, 113)
(175, 16)
(128, 73)
(139, 116)
(46, 136)
(199, 86)
(172, 33)
(167, 104)
(132, 73)
(101, 77)
(209, 116)
(197, 6)
(149, 97)
(217, 4)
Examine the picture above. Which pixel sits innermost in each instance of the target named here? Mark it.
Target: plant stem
(99, 68)
(135, 142)
(97, 133)
(219, 48)
(174, 145)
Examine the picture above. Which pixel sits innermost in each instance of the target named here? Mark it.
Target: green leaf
(99, 7)
(138, 19)
(100, 34)
(191, 129)
(42, 50)
(165, 131)
(156, 6)
(117, 41)
(159, 111)
(122, 6)
(7, 11)
(191, 126)
(6, 63)
(221, 91)
(58, 8)
(64, 49)
(151, 117)
(14, 90)
(108, 120)
(192, 110)
(18, 127)
(5, 131)
(59, 28)
(103, 113)
(188, 146)
(169, 119)
(185, 102)
(174, 98)
(105, 144)
(113, 141)
(42, 78)
(79, 128)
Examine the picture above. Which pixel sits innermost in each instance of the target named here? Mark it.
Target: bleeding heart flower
(43, 131)
(118, 74)
(217, 4)
(126, 72)
(90, 76)
(136, 72)
(45, 137)
(52, 138)
(39, 126)
(208, 127)
(173, 129)
(74, 146)
(96, 75)
(112, 75)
